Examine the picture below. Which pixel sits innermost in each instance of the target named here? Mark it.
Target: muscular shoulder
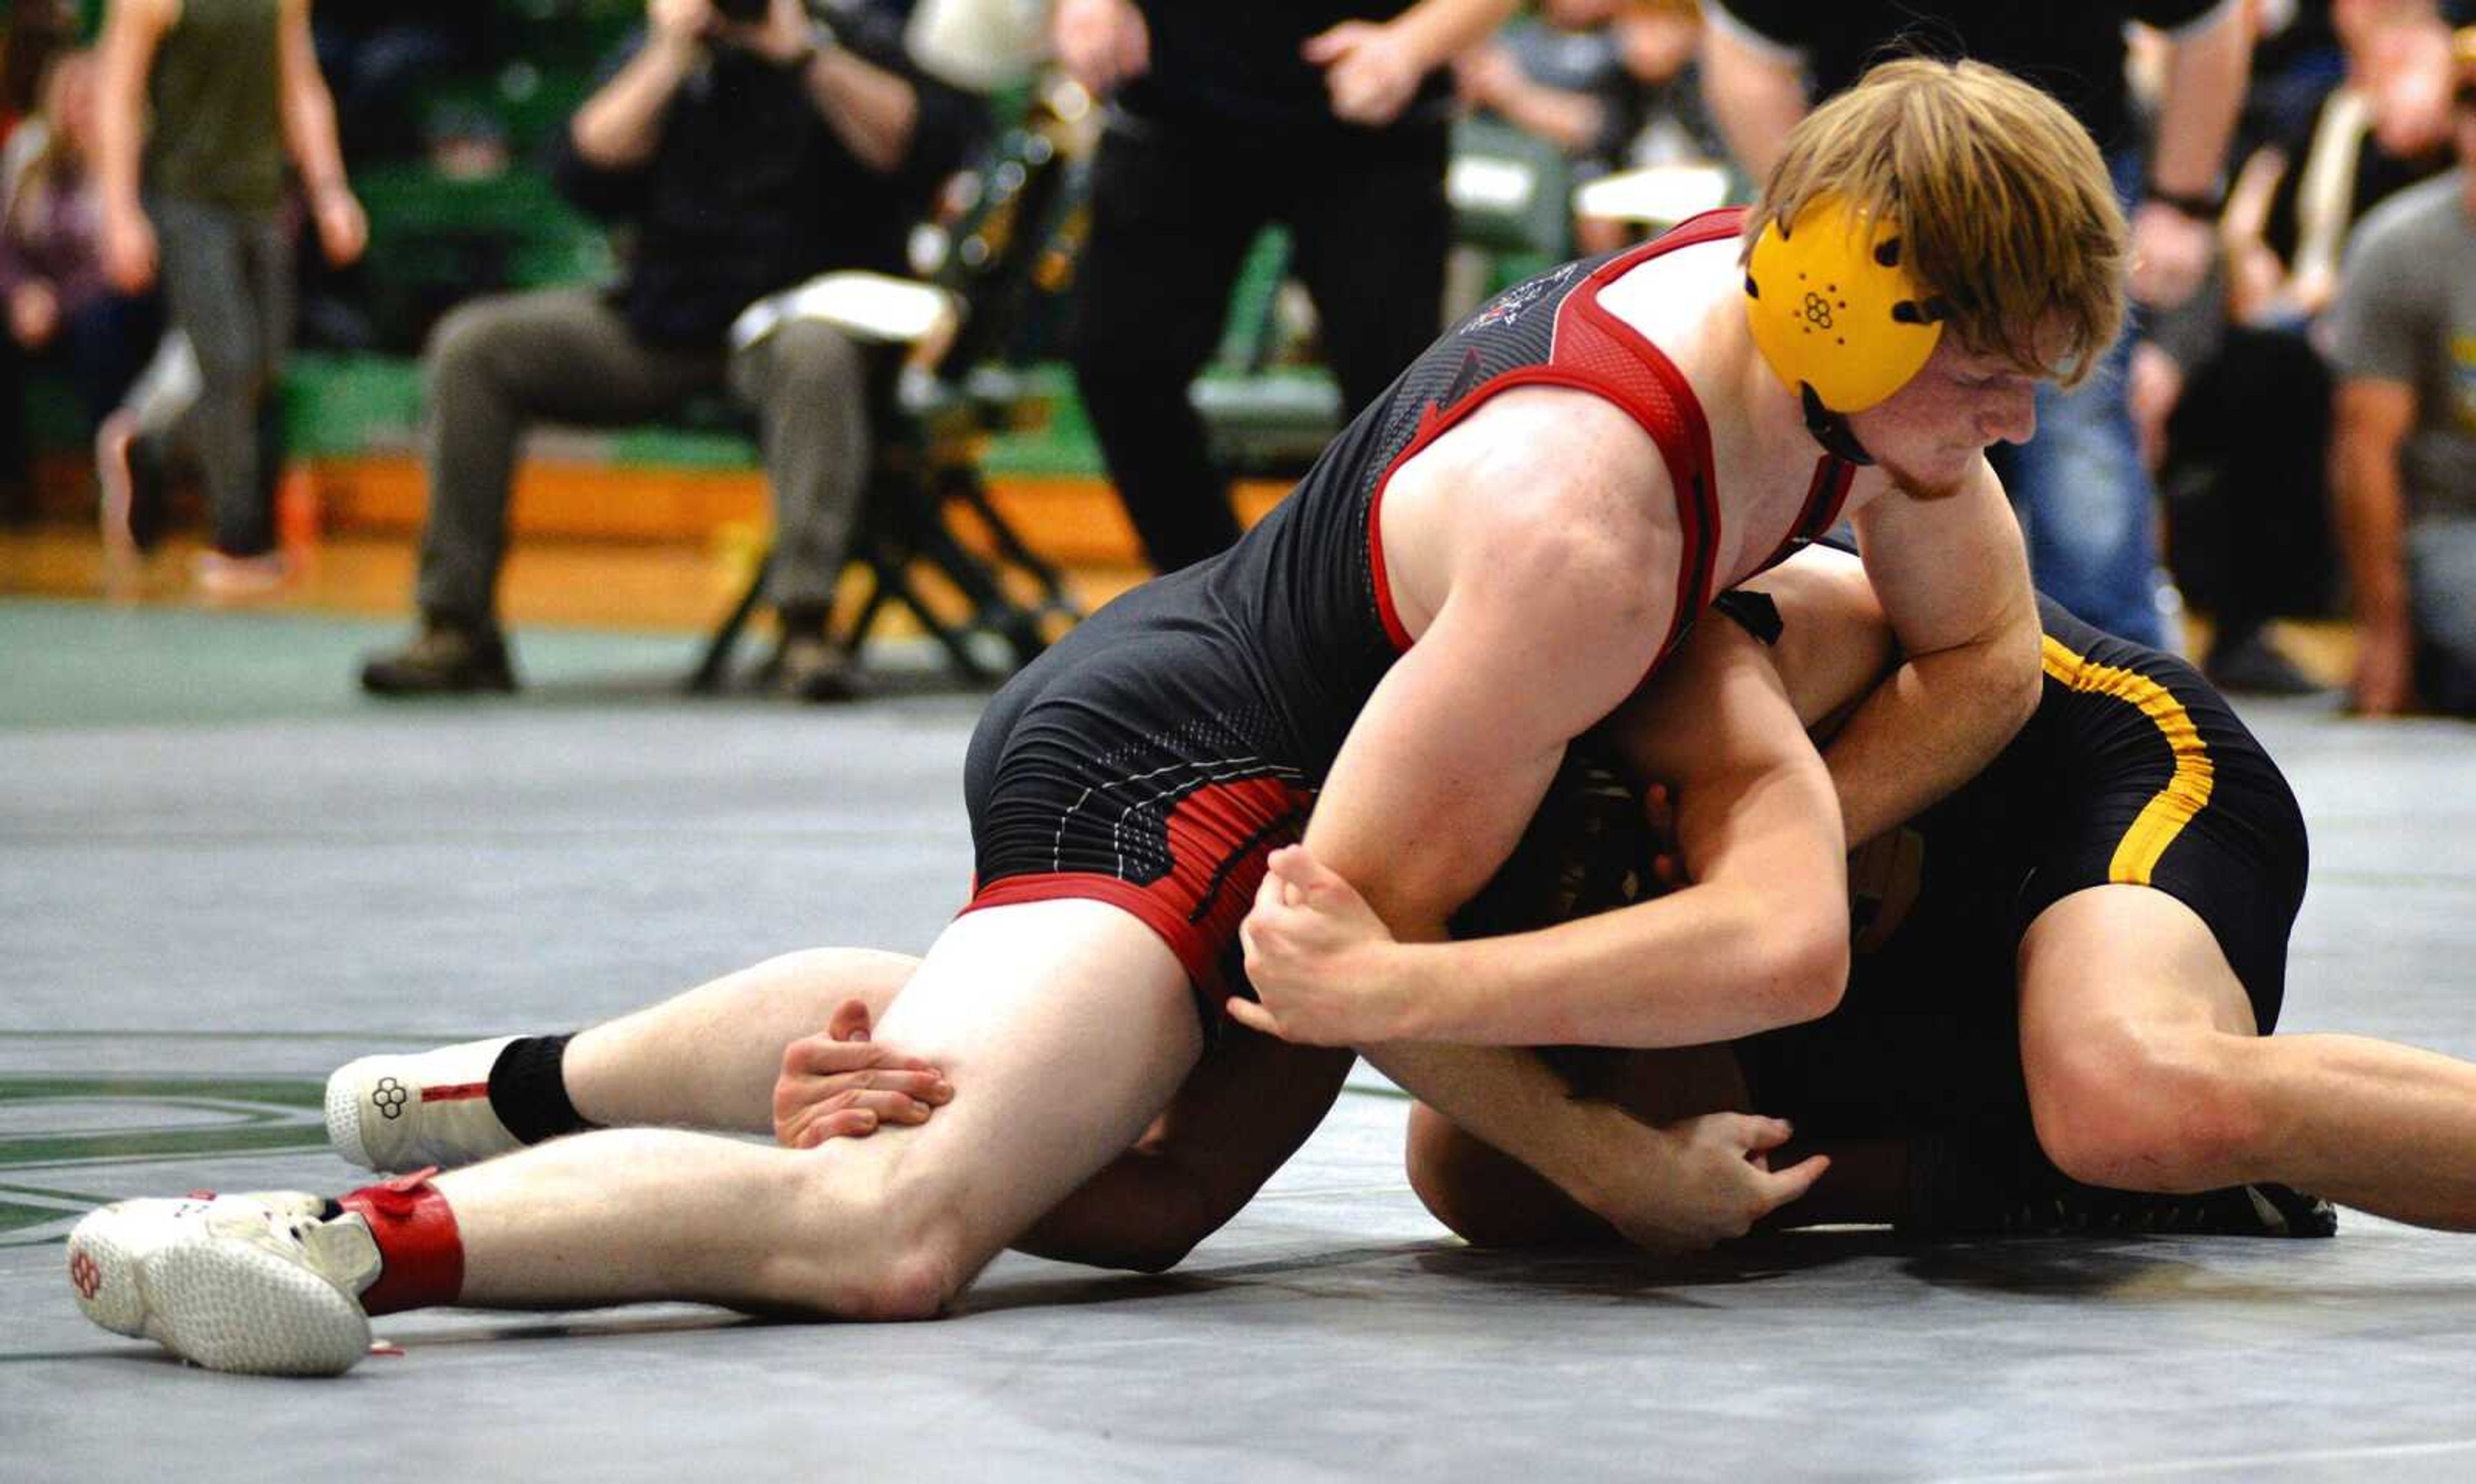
(1554, 476)
(1544, 498)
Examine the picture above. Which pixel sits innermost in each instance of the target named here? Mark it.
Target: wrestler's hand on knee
(1320, 958)
(1715, 1184)
(840, 1085)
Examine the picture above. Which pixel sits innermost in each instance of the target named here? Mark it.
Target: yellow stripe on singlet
(2186, 793)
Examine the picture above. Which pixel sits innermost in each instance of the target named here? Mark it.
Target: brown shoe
(813, 668)
(444, 660)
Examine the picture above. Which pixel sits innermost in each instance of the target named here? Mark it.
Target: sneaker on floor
(811, 667)
(257, 1284)
(223, 578)
(2254, 667)
(398, 1113)
(444, 660)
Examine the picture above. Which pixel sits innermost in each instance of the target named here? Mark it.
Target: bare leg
(1065, 1027)
(707, 1058)
(1245, 1109)
(2146, 1072)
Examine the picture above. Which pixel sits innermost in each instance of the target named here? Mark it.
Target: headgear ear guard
(1834, 311)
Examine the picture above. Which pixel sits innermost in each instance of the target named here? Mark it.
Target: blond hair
(2005, 209)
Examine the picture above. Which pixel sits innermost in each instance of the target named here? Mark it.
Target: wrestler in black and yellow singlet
(2133, 770)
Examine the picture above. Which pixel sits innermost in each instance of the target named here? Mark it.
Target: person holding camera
(750, 145)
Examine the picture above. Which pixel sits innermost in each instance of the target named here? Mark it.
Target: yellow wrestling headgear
(1834, 311)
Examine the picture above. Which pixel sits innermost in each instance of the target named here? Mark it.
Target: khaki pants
(496, 366)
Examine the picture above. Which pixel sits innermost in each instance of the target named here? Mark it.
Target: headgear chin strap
(1836, 316)
(1832, 430)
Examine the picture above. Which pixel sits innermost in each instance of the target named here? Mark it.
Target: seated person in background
(50, 262)
(747, 155)
(2403, 340)
(1611, 82)
(1555, 74)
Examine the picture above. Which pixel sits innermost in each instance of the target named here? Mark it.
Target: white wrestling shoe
(257, 1284)
(398, 1113)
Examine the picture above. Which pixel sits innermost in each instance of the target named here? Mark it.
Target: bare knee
(885, 1253)
(2144, 1109)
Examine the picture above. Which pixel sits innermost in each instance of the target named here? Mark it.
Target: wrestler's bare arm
(1759, 940)
(1953, 578)
(1550, 596)
(1534, 554)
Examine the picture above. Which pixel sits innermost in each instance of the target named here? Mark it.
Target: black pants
(2248, 493)
(1173, 210)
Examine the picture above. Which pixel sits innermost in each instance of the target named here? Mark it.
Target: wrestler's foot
(258, 1284)
(1960, 1191)
(397, 1114)
(2262, 1210)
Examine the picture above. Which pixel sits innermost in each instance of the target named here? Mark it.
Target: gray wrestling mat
(222, 873)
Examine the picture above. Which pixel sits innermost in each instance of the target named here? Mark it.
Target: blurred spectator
(1659, 42)
(2404, 344)
(51, 263)
(2085, 497)
(1330, 117)
(202, 100)
(2386, 126)
(376, 54)
(2246, 450)
(2297, 61)
(747, 155)
(51, 259)
(1611, 82)
(1559, 74)
(380, 57)
(30, 32)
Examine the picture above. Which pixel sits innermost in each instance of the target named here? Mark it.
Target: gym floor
(222, 873)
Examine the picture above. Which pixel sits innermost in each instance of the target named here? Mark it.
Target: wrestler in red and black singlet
(1157, 754)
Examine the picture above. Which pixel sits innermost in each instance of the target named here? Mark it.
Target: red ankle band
(422, 1257)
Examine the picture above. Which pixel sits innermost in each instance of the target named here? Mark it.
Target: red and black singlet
(1154, 757)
